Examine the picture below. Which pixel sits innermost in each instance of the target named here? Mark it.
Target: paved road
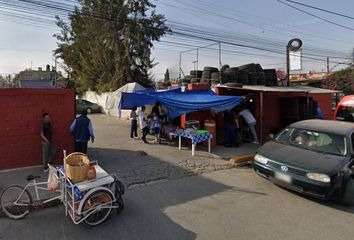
(228, 204)
(166, 200)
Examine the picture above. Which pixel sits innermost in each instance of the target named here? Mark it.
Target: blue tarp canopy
(178, 103)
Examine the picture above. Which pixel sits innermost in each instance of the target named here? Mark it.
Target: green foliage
(343, 80)
(108, 43)
(167, 76)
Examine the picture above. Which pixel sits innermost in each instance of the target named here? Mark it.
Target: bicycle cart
(89, 201)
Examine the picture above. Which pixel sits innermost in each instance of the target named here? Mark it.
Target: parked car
(82, 104)
(345, 109)
(312, 157)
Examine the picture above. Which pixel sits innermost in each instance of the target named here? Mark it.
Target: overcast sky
(245, 22)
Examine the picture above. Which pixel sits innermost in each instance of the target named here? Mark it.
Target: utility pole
(180, 65)
(220, 64)
(287, 67)
(328, 81)
(197, 59)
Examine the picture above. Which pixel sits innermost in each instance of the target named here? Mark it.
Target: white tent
(113, 99)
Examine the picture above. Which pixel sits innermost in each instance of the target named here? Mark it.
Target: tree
(343, 80)
(108, 43)
(167, 76)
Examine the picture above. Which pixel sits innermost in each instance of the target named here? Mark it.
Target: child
(156, 126)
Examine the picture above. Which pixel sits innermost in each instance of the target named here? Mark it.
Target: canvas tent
(114, 98)
(178, 103)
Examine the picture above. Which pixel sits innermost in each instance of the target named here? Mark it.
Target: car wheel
(89, 110)
(348, 193)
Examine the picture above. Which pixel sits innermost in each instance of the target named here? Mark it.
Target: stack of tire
(215, 78)
(195, 76)
(206, 75)
(271, 77)
(232, 77)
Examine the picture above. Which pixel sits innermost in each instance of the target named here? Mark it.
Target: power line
(320, 9)
(313, 15)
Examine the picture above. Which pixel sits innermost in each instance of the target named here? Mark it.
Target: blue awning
(178, 103)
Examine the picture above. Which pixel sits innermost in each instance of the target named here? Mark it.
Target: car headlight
(319, 177)
(261, 159)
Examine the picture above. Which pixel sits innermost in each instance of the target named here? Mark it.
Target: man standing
(251, 122)
(83, 131)
(48, 148)
(143, 124)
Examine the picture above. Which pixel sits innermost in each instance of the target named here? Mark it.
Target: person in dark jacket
(230, 128)
(48, 147)
(83, 132)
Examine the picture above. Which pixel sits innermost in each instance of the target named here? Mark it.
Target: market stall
(178, 102)
(276, 107)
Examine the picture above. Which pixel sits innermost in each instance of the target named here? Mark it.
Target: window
(314, 141)
(345, 114)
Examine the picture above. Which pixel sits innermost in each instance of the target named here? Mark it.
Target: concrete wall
(21, 115)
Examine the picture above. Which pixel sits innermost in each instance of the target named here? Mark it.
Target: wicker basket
(77, 165)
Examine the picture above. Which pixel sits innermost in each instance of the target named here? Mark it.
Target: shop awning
(178, 103)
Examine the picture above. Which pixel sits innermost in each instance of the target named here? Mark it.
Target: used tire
(258, 67)
(225, 67)
(248, 67)
(232, 84)
(243, 78)
(211, 69)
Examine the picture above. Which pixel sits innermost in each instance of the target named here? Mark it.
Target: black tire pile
(249, 74)
(195, 76)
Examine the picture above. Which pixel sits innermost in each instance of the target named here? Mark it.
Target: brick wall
(20, 118)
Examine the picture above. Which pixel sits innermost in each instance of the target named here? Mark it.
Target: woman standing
(133, 124)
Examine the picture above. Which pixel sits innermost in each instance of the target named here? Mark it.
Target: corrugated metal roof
(299, 89)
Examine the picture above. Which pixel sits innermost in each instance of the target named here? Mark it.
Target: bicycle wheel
(97, 207)
(16, 202)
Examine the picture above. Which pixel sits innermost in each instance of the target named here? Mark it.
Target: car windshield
(345, 114)
(315, 141)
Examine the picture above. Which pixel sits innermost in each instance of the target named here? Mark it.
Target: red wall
(21, 115)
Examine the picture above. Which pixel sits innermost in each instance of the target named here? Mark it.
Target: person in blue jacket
(83, 132)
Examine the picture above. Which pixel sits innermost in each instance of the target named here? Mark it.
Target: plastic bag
(53, 182)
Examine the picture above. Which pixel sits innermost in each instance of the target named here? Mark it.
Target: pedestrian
(156, 109)
(251, 122)
(230, 129)
(317, 110)
(134, 123)
(48, 148)
(83, 132)
(156, 126)
(143, 124)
